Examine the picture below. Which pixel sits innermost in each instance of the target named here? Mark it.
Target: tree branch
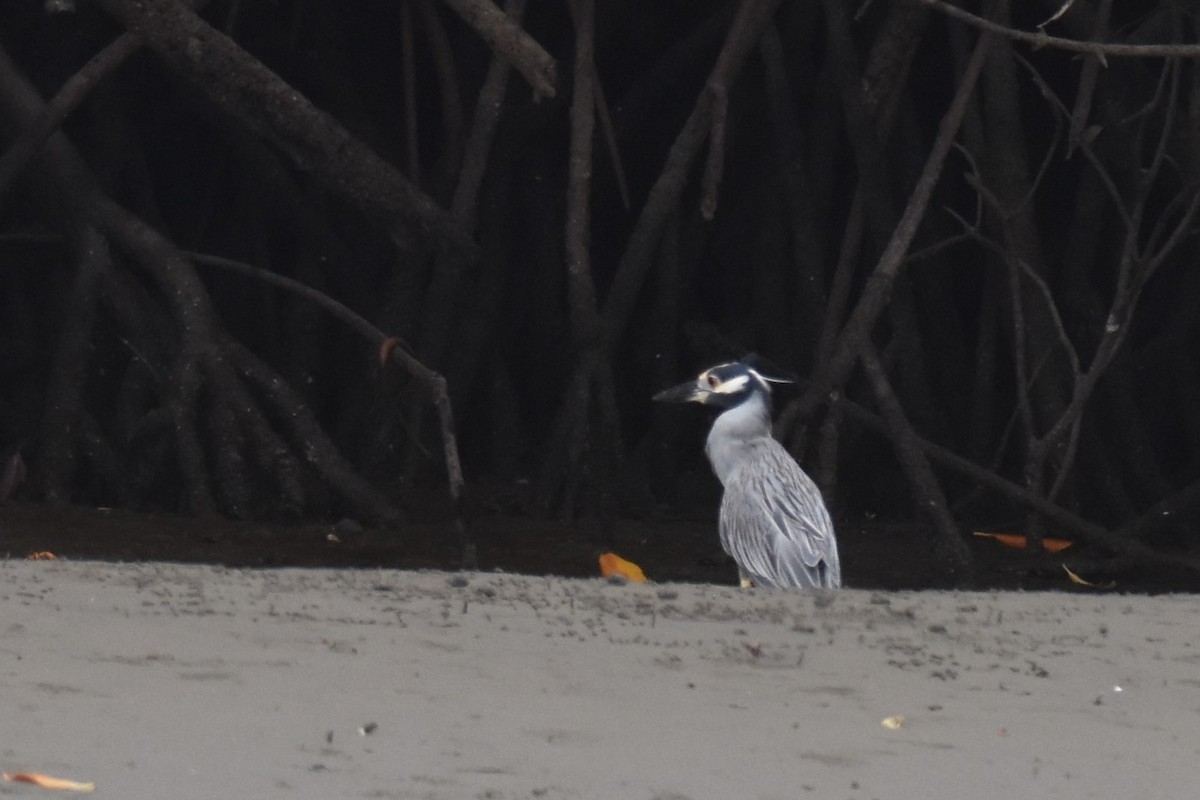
(744, 34)
(61, 105)
(878, 290)
(432, 382)
(949, 544)
(244, 88)
(1041, 39)
(1113, 541)
(511, 41)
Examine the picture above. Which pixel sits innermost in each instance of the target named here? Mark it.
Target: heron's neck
(736, 428)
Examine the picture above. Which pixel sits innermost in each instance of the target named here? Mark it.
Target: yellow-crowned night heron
(773, 521)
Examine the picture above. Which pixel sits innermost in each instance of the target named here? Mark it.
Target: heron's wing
(774, 522)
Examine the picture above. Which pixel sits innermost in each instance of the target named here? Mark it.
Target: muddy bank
(194, 681)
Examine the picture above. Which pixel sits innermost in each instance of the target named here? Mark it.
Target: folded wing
(774, 523)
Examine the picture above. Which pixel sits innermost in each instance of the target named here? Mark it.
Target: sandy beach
(159, 680)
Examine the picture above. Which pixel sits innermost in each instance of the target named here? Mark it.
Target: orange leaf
(612, 564)
(48, 781)
(1020, 542)
(41, 555)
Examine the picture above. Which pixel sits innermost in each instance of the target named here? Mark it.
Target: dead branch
(201, 347)
(864, 128)
(881, 80)
(610, 138)
(835, 371)
(581, 293)
(661, 203)
(450, 269)
(949, 544)
(511, 41)
(244, 88)
(715, 166)
(586, 325)
(61, 105)
(1134, 268)
(68, 183)
(453, 116)
(1089, 74)
(744, 34)
(231, 478)
(604, 441)
(483, 130)
(1040, 39)
(267, 448)
(1112, 541)
(412, 133)
(889, 63)
(66, 100)
(320, 453)
(64, 394)
(807, 203)
(431, 382)
(1174, 508)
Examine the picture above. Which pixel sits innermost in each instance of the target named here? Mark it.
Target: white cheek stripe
(733, 385)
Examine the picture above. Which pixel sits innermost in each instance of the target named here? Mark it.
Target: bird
(773, 520)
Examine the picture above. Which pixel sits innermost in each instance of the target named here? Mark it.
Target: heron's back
(773, 520)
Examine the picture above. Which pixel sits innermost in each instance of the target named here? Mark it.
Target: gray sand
(159, 681)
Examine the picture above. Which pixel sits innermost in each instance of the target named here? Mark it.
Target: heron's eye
(714, 381)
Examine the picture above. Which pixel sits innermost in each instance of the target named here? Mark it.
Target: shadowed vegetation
(971, 240)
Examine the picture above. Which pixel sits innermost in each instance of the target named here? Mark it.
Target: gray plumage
(773, 521)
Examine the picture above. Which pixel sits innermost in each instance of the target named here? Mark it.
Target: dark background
(1025, 362)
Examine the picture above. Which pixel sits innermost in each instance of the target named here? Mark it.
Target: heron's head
(723, 386)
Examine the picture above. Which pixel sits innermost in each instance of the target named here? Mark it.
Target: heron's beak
(690, 392)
